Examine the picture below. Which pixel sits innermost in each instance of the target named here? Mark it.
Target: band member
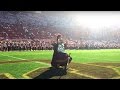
(59, 55)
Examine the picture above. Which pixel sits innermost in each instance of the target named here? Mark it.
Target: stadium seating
(27, 26)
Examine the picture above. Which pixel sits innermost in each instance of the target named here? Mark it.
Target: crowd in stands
(46, 44)
(93, 44)
(25, 44)
(24, 31)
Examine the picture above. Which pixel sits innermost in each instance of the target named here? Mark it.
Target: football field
(86, 64)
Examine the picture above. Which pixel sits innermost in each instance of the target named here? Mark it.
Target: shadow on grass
(51, 73)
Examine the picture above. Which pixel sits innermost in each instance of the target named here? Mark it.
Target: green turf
(18, 69)
(29, 55)
(82, 56)
(91, 56)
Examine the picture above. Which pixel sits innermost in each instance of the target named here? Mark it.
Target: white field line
(14, 57)
(26, 59)
(74, 71)
(24, 75)
(9, 76)
(94, 58)
(109, 67)
(115, 77)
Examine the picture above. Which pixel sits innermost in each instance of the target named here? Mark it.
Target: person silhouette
(60, 58)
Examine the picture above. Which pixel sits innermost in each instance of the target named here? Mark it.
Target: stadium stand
(28, 31)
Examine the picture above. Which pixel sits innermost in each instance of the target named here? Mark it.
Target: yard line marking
(26, 59)
(109, 67)
(116, 70)
(93, 58)
(13, 57)
(115, 77)
(9, 76)
(26, 75)
(74, 71)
